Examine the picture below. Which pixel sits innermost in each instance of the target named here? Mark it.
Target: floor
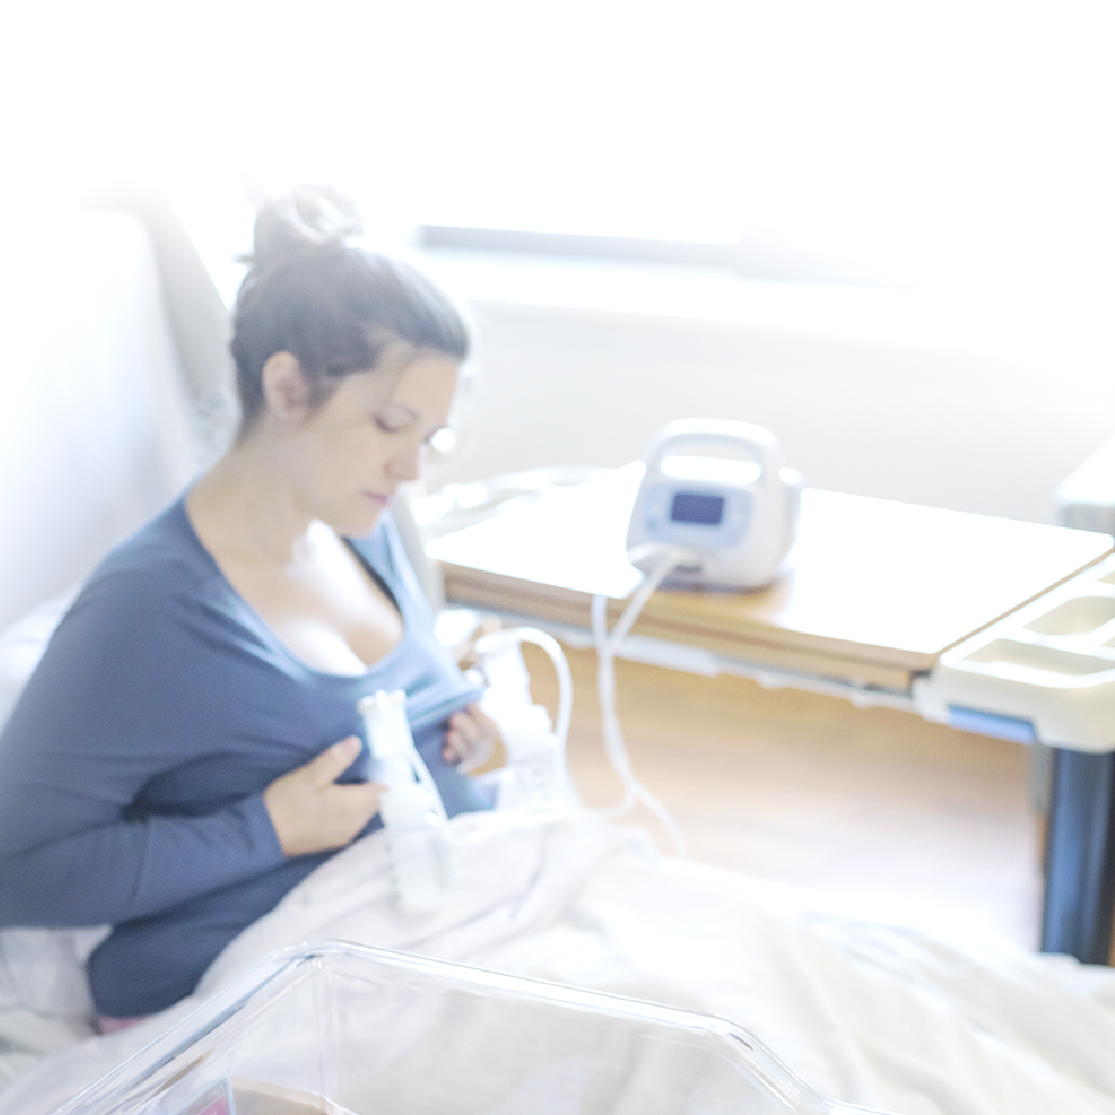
(875, 807)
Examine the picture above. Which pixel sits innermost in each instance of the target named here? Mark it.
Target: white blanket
(878, 1015)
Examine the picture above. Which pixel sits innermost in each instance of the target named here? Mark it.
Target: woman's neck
(244, 508)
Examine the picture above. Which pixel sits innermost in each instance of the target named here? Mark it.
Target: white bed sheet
(884, 1016)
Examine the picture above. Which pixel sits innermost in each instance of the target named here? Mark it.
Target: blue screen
(689, 507)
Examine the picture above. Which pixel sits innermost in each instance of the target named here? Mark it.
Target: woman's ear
(285, 390)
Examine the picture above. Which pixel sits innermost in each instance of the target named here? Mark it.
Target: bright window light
(952, 142)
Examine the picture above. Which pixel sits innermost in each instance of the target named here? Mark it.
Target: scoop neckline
(262, 624)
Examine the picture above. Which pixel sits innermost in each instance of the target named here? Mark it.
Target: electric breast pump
(719, 490)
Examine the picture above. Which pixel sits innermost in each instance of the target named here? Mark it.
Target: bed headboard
(95, 424)
(116, 388)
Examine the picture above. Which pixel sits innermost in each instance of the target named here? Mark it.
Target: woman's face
(349, 457)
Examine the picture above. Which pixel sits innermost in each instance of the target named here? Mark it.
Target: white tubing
(561, 667)
(552, 647)
(606, 646)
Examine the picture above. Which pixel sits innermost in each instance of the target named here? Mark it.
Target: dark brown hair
(335, 306)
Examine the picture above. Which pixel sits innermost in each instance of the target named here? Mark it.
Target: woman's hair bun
(304, 217)
(334, 306)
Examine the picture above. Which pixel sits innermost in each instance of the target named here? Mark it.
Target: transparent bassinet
(337, 1029)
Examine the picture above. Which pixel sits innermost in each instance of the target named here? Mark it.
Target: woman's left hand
(471, 739)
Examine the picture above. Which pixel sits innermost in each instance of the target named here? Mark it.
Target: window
(893, 141)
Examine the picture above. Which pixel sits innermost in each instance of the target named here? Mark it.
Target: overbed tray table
(875, 594)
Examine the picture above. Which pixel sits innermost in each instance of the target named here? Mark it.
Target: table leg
(1078, 905)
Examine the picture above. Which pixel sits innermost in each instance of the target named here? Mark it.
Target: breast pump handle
(699, 433)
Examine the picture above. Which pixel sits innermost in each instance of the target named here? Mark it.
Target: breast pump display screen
(691, 507)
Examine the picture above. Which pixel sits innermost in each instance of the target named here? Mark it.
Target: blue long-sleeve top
(133, 767)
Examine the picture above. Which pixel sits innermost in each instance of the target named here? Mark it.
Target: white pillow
(44, 970)
(22, 645)
(40, 969)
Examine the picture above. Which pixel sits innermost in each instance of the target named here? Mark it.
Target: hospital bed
(111, 414)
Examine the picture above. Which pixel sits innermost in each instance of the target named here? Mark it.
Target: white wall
(870, 393)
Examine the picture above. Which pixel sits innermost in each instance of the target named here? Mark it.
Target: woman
(173, 767)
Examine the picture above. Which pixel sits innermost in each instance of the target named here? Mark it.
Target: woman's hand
(311, 813)
(471, 739)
